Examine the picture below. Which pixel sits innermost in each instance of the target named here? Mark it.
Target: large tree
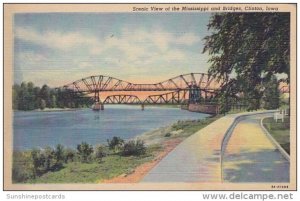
(271, 95)
(246, 49)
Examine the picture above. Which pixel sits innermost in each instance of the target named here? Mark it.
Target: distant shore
(56, 109)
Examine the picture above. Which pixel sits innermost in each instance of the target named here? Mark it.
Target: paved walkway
(251, 157)
(198, 158)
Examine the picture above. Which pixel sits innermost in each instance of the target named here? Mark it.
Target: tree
(15, 96)
(271, 94)
(69, 155)
(45, 95)
(115, 143)
(133, 147)
(59, 156)
(50, 159)
(38, 162)
(37, 100)
(42, 104)
(31, 96)
(28, 97)
(23, 97)
(100, 152)
(53, 101)
(84, 151)
(248, 48)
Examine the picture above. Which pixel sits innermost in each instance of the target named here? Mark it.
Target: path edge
(228, 134)
(281, 150)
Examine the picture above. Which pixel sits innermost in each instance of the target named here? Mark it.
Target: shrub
(38, 160)
(84, 151)
(59, 156)
(22, 169)
(100, 152)
(69, 155)
(134, 148)
(115, 143)
(50, 162)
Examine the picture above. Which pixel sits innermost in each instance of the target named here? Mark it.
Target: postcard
(150, 97)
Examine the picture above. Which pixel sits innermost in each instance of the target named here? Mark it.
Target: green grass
(110, 167)
(192, 126)
(280, 131)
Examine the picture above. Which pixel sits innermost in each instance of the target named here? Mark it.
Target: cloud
(187, 39)
(32, 57)
(126, 54)
(56, 40)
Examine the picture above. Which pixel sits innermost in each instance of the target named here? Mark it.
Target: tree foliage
(100, 152)
(28, 165)
(84, 150)
(271, 94)
(29, 97)
(133, 147)
(246, 49)
(115, 143)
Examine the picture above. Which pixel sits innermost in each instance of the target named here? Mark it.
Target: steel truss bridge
(183, 89)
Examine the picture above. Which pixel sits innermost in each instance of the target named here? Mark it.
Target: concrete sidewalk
(198, 158)
(250, 156)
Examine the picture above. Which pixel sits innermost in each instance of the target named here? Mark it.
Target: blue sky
(58, 48)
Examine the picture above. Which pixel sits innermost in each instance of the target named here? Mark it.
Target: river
(39, 129)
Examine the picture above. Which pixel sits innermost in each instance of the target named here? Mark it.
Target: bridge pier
(143, 107)
(101, 106)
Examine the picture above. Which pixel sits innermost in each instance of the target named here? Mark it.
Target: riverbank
(114, 166)
(167, 138)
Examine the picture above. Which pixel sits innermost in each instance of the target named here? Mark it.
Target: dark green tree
(248, 48)
(133, 147)
(23, 97)
(50, 159)
(100, 152)
(38, 162)
(115, 143)
(45, 95)
(31, 96)
(84, 151)
(42, 104)
(271, 96)
(59, 156)
(28, 97)
(15, 96)
(69, 155)
(37, 100)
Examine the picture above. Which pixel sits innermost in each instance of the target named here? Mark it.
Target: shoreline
(157, 137)
(159, 142)
(56, 109)
(50, 110)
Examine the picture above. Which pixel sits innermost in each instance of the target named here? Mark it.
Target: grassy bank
(179, 130)
(280, 131)
(104, 163)
(94, 172)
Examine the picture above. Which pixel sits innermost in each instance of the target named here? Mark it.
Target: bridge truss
(100, 83)
(192, 87)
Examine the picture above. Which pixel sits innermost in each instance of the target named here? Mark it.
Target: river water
(69, 128)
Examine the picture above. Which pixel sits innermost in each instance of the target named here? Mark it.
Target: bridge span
(193, 91)
(192, 88)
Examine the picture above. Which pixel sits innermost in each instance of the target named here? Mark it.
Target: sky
(59, 48)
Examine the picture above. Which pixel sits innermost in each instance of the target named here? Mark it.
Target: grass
(280, 131)
(110, 167)
(191, 126)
